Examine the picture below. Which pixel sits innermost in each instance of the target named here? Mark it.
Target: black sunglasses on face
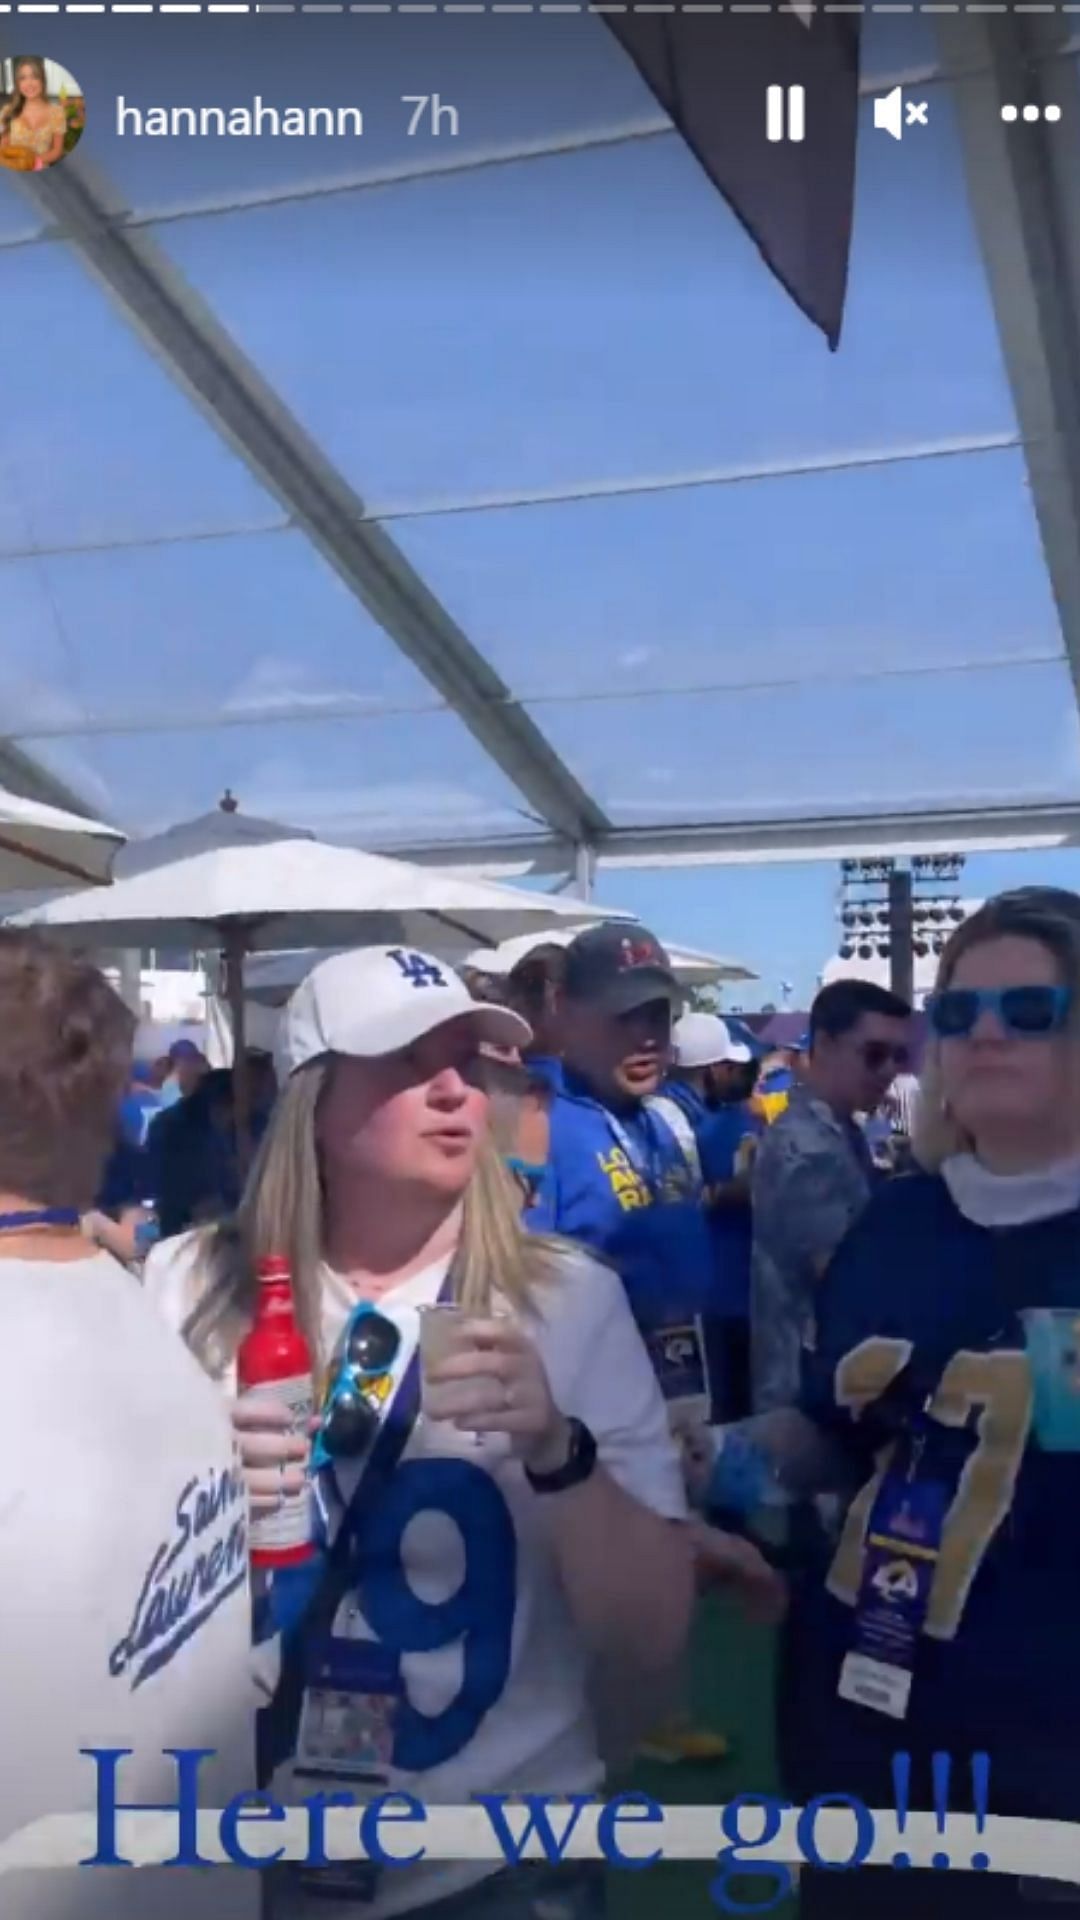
(877, 1054)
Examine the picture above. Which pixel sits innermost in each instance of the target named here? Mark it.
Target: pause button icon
(785, 113)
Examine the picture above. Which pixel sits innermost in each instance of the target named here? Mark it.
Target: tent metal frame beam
(699, 479)
(1021, 181)
(830, 837)
(199, 354)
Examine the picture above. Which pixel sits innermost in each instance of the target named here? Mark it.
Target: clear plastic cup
(442, 1334)
(1053, 1346)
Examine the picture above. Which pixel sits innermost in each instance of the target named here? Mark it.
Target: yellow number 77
(999, 1385)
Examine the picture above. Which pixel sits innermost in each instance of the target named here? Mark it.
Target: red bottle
(274, 1362)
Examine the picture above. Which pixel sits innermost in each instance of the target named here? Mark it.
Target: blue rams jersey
(546, 1068)
(689, 1099)
(921, 1310)
(720, 1133)
(623, 1186)
(721, 1141)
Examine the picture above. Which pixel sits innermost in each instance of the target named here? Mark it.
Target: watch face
(578, 1465)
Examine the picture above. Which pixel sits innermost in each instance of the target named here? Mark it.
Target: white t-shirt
(516, 1716)
(125, 1616)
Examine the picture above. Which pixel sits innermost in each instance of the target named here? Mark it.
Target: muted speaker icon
(891, 115)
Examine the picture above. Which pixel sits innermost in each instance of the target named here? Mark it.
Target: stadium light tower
(899, 913)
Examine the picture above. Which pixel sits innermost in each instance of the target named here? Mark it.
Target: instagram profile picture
(42, 113)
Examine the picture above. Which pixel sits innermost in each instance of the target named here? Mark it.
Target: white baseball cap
(704, 1040)
(376, 999)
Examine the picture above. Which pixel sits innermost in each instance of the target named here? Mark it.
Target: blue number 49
(479, 1613)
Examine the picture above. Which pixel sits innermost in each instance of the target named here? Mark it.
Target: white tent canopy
(426, 575)
(693, 969)
(269, 978)
(446, 575)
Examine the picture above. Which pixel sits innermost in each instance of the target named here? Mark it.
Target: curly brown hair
(65, 1056)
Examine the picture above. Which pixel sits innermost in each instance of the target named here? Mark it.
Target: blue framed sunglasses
(1031, 1012)
(361, 1381)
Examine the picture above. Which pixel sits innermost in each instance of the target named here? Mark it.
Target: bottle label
(289, 1525)
(275, 1308)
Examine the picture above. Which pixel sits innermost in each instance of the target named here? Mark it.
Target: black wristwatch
(579, 1463)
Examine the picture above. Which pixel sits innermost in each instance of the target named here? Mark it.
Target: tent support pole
(235, 947)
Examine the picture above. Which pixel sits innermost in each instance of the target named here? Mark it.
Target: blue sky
(781, 919)
(592, 324)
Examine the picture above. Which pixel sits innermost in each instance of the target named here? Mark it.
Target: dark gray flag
(711, 73)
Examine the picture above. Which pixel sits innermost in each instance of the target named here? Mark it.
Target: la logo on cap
(417, 968)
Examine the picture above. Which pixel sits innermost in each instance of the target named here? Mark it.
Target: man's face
(855, 1070)
(731, 1081)
(190, 1069)
(622, 1056)
(533, 991)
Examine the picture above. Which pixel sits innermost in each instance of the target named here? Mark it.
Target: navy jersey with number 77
(919, 1330)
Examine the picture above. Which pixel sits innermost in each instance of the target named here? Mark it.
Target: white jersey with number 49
(464, 1612)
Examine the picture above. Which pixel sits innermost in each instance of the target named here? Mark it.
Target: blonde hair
(282, 1213)
(1049, 915)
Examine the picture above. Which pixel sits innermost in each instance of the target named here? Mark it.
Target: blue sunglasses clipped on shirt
(1031, 1012)
(359, 1386)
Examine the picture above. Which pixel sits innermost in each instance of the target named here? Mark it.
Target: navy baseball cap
(619, 967)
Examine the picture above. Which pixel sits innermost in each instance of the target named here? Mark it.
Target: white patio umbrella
(224, 826)
(691, 968)
(42, 846)
(269, 978)
(292, 893)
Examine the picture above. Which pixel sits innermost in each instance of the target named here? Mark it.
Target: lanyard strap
(39, 1217)
(647, 1169)
(278, 1722)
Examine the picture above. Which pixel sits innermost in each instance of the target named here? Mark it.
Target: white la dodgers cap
(376, 999)
(704, 1040)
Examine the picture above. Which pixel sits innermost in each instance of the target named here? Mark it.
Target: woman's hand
(726, 1560)
(494, 1382)
(94, 1226)
(274, 1458)
(697, 1448)
(118, 1237)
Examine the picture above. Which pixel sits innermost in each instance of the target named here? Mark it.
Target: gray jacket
(812, 1178)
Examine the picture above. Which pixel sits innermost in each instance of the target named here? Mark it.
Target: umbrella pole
(235, 948)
